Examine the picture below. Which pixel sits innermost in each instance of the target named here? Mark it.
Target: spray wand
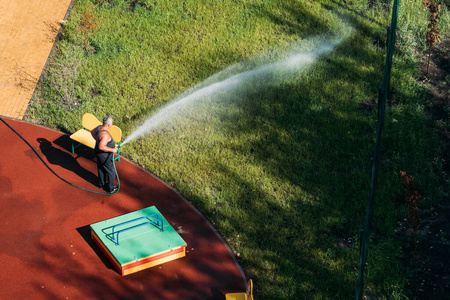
(118, 151)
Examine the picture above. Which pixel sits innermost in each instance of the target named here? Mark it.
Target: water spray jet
(298, 61)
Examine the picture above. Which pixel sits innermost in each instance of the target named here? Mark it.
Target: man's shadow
(65, 160)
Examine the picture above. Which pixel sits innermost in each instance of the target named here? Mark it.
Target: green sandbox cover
(139, 242)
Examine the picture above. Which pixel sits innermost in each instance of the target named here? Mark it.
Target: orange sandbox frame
(146, 240)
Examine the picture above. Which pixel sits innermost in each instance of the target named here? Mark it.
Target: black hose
(51, 170)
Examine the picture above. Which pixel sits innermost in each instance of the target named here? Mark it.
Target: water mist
(228, 81)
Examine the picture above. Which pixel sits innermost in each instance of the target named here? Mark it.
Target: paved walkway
(46, 251)
(28, 29)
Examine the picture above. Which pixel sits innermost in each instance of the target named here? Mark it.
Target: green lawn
(279, 163)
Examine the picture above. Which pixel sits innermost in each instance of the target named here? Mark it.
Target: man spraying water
(105, 148)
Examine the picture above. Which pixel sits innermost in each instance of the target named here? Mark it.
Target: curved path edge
(46, 248)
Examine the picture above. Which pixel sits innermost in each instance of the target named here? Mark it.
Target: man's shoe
(115, 188)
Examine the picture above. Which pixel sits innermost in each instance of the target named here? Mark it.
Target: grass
(280, 167)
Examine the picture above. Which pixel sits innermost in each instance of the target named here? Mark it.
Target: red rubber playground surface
(46, 251)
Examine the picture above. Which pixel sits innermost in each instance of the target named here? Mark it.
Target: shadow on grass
(311, 134)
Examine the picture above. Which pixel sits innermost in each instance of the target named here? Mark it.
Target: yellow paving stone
(28, 29)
